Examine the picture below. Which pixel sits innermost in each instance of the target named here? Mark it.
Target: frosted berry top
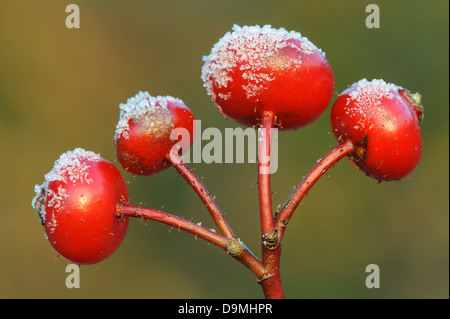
(143, 107)
(364, 94)
(370, 92)
(249, 47)
(71, 167)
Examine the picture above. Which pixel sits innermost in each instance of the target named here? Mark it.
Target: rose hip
(255, 70)
(382, 120)
(77, 204)
(143, 134)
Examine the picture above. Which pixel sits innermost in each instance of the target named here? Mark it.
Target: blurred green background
(60, 89)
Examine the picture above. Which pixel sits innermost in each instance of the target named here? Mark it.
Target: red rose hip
(254, 70)
(382, 120)
(143, 134)
(77, 204)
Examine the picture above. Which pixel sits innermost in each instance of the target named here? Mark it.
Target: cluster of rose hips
(260, 77)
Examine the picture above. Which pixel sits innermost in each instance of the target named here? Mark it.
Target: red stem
(272, 286)
(245, 256)
(202, 192)
(302, 189)
(265, 193)
(175, 221)
(271, 283)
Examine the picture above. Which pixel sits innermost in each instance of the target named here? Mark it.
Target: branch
(231, 245)
(202, 192)
(313, 176)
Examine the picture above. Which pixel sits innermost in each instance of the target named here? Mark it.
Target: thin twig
(203, 193)
(313, 176)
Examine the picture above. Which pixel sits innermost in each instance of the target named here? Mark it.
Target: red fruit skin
(83, 228)
(386, 134)
(297, 95)
(145, 150)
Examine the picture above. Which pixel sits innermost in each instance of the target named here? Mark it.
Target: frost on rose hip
(254, 70)
(76, 204)
(383, 122)
(143, 133)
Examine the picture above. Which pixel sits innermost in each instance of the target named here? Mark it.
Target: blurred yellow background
(60, 89)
